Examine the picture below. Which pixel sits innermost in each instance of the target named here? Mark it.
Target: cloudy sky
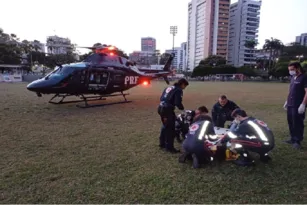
(123, 22)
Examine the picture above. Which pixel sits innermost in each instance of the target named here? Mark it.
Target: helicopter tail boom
(153, 74)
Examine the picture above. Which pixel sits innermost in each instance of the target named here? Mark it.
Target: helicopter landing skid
(61, 101)
(86, 105)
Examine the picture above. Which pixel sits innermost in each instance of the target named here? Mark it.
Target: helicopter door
(98, 80)
(118, 79)
(104, 78)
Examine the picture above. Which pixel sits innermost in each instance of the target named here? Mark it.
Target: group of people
(248, 133)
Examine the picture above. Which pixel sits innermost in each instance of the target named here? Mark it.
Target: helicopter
(102, 74)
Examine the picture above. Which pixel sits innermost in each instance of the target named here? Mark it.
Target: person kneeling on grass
(194, 144)
(252, 135)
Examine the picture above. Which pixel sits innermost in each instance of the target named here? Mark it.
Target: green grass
(64, 154)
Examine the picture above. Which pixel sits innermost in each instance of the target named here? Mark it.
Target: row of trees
(217, 65)
(276, 64)
(15, 51)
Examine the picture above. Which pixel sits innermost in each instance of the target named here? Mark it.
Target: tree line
(276, 64)
(16, 51)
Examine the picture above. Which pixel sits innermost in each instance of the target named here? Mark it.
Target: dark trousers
(252, 146)
(296, 124)
(168, 134)
(190, 146)
(221, 120)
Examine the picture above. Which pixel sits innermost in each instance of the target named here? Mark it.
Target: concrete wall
(30, 78)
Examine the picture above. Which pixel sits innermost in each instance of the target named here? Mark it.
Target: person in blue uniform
(170, 98)
(221, 111)
(252, 135)
(201, 114)
(194, 144)
(296, 104)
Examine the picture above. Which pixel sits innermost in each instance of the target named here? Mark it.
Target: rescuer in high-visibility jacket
(252, 135)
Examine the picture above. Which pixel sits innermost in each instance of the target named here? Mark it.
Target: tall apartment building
(148, 44)
(207, 30)
(179, 61)
(184, 56)
(243, 26)
(302, 39)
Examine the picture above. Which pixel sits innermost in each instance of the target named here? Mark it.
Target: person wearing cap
(296, 104)
(169, 100)
(221, 111)
(252, 135)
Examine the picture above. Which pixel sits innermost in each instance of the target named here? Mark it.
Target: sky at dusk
(123, 22)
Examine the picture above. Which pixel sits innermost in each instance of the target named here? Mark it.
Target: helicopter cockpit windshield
(61, 71)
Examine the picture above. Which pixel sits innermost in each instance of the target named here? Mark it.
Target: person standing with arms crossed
(170, 98)
(296, 104)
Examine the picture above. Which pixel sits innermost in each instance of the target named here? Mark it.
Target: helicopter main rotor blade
(86, 47)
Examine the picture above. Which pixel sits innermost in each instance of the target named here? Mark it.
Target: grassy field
(64, 154)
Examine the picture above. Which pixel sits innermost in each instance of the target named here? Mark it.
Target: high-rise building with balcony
(243, 26)
(207, 30)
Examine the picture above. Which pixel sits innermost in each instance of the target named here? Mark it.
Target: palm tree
(275, 47)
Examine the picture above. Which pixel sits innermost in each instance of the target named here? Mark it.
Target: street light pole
(173, 31)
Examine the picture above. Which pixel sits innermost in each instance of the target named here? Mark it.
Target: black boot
(172, 150)
(195, 161)
(244, 160)
(265, 158)
(183, 157)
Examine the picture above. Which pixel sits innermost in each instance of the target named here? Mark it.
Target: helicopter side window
(104, 79)
(99, 78)
(82, 76)
(92, 77)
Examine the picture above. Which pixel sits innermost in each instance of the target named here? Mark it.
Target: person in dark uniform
(221, 111)
(296, 104)
(201, 114)
(194, 144)
(170, 98)
(186, 119)
(250, 135)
